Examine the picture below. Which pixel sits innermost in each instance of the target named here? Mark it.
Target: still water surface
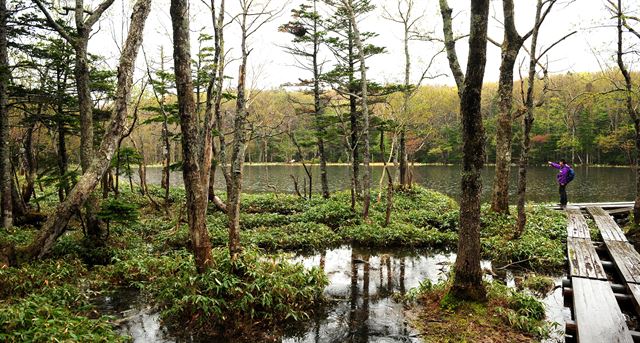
(362, 306)
(593, 184)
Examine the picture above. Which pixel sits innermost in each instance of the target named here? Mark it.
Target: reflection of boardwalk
(604, 278)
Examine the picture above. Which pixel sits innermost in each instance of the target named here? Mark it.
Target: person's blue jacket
(563, 173)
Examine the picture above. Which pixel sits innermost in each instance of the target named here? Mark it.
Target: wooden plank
(583, 259)
(607, 226)
(597, 313)
(626, 259)
(576, 224)
(604, 205)
(634, 289)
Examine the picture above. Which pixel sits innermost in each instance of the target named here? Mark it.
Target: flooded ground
(362, 306)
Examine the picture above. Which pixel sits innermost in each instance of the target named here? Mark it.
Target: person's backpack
(571, 174)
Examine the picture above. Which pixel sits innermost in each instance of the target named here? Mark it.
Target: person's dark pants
(563, 195)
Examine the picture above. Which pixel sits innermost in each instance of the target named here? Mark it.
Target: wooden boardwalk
(595, 293)
(597, 314)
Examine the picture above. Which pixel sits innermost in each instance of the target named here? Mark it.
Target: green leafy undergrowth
(294, 236)
(397, 234)
(49, 299)
(540, 247)
(254, 293)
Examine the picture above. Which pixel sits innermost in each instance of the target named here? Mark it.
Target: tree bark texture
(234, 188)
(527, 125)
(321, 132)
(192, 165)
(467, 283)
(6, 180)
(511, 44)
(57, 222)
(633, 113)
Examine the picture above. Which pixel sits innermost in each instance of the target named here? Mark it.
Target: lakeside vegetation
(217, 263)
(150, 253)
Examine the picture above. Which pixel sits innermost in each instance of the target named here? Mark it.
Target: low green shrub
(252, 221)
(519, 309)
(271, 203)
(39, 276)
(397, 234)
(254, 290)
(540, 247)
(294, 236)
(331, 212)
(47, 316)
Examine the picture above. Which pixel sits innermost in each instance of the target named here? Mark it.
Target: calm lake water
(362, 306)
(591, 184)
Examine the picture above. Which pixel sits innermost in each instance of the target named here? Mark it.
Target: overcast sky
(272, 67)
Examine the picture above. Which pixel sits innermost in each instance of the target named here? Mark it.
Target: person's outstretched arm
(555, 165)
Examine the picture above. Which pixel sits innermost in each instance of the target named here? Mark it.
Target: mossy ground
(151, 254)
(506, 316)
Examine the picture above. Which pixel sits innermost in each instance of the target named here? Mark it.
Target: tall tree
(195, 165)
(467, 283)
(57, 222)
(631, 107)
(511, 45)
(5, 155)
(79, 40)
(405, 16)
(341, 42)
(252, 17)
(366, 175)
(529, 106)
(308, 37)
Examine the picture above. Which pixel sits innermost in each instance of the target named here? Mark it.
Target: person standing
(564, 176)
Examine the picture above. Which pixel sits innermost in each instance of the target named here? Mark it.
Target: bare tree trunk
(528, 121)
(214, 101)
(30, 160)
(57, 221)
(353, 117)
(320, 126)
(467, 283)
(511, 45)
(366, 175)
(5, 154)
(633, 113)
(193, 165)
(237, 154)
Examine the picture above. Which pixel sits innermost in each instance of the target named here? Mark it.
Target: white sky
(271, 66)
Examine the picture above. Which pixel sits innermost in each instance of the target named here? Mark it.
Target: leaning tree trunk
(467, 283)
(58, 220)
(5, 156)
(193, 166)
